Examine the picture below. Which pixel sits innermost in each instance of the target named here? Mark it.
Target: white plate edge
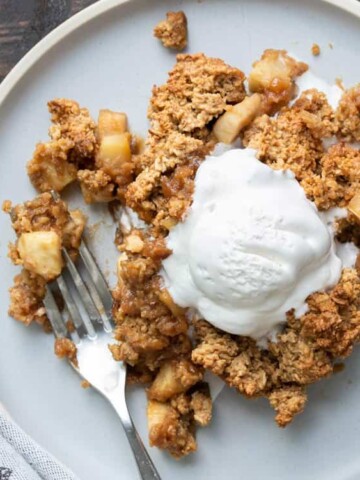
(88, 14)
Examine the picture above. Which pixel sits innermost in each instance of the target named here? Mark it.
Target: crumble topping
(73, 142)
(348, 115)
(173, 31)
(98, 156)
(287, 141)
(198, 91)
(338, 179)
(66, 348)
(26, 299)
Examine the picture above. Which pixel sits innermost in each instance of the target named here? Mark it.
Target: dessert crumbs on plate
(173, 31)
(315, 49)
(85, 384)
(65, 348)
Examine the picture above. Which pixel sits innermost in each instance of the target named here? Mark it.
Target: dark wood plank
(24, 22)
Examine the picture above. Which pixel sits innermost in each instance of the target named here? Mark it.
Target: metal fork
(89, 302)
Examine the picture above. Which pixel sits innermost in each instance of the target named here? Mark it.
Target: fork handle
(144, 463)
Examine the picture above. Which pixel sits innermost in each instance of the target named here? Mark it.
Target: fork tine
(95, 293)
(95, 296)
(85, 296)
(83, 326)
(96, 276)
(54, 314)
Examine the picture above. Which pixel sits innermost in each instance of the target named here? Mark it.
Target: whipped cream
(251, 248)
(309, 81)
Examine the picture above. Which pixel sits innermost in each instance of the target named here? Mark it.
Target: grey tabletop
(24, 22)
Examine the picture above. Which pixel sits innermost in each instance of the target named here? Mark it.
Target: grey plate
(111, 60)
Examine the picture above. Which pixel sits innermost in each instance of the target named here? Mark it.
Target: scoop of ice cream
(251, 248)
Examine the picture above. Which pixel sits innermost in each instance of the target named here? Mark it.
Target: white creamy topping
(347, 252)
(129, 219)
(308, 81)
(251, 248)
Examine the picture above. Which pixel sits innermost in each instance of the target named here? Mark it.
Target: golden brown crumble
(348, 114)
(73, 143)
(181, 112)
(99, 156)
(65, 348)
(41, 215)
(293, 138)
(26, 299)
(287, 402)
(173, 31)
(172, 423)
(338, 179)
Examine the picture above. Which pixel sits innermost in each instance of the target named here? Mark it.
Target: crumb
(74, 123)
(26, 299)
(6, 206)
(65, 348)
(315, 49)
(85, 384)
(287, 402)
(331, 45)
(338, 179)
(173, 31)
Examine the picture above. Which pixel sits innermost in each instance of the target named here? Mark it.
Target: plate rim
(88, 14)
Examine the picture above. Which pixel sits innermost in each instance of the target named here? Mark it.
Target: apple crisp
(203, 102)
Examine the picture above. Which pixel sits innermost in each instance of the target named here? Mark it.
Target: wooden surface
(24, 22)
